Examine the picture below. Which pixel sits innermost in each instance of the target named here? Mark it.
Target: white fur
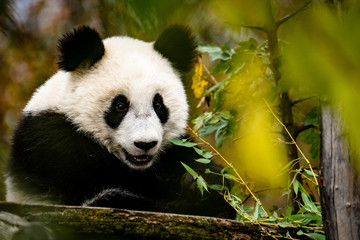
(130, 67)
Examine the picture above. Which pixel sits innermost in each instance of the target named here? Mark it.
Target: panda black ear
(178, 45)
(82, 47)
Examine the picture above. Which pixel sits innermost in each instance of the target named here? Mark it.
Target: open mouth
(138, 160)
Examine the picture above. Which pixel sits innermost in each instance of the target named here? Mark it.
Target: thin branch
(302, 128)
(293, 140)
(207, 71)
(260, 28)
(302, 100)
(253, 27)
(229, 164)
(286, 18)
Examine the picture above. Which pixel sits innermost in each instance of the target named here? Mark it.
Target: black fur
(82, 47)
(178, 45)
(160, 109)
(51, 158)
(117, 111)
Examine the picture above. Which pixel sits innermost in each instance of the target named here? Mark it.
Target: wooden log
(69, 222)
(339, 181)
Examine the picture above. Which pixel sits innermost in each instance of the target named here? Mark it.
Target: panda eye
(121, 107)
(158, 105)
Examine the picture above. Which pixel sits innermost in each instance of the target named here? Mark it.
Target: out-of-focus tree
(323, 58)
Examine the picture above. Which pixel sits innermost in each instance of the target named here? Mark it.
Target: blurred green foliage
(323, 59)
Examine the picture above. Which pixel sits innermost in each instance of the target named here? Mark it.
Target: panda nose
(145, 145)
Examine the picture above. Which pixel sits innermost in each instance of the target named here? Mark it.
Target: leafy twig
(293, 141)
(229, 164)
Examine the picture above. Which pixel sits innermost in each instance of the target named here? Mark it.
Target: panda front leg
(120, 198)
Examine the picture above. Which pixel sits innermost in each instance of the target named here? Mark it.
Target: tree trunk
(339, 181)
(66, 222)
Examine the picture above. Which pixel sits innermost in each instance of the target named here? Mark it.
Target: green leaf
(300, 219)
(230, 177)
(198, 121)
(217, 89)
(270, 219)
(287, 167)
(182, 142)
(227, 169)
(221, 67)
(218, 123)
(309, 173)
(203, 153)
(201, 185)
(288, 211)
(296, 186)
(203, 160)
(222, 133)
(303, 190)
(238, 199)
(316, 236)
(256, 212)
(215, 52)
(218, 187)
(285, 224)
(190, 170)
(309, 205)
(313, 216)
(312, 117)
(208, 48)
(311, 136)
(207, 130)
(299, 233)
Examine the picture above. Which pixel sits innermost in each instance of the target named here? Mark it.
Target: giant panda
(97, 132)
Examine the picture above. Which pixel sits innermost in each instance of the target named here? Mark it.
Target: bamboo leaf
(296, 187)
(309, 173)
(203, 160)
(203, 153)
(190, 170)
(231, 177)
(202, 185)
(316, 236)
(182, 142)
(256, 212)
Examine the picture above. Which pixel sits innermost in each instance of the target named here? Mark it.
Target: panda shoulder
(50, 95)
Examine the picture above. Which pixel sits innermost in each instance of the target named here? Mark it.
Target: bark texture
(67, 222)
(339, 181)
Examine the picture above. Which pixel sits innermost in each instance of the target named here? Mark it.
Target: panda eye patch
(117, 111)
(160, 109)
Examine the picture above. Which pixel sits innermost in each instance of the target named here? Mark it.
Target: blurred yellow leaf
(198, 83)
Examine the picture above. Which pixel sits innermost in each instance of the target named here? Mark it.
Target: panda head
(124, 93)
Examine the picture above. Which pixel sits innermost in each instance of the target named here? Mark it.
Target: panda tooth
(141, 158)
